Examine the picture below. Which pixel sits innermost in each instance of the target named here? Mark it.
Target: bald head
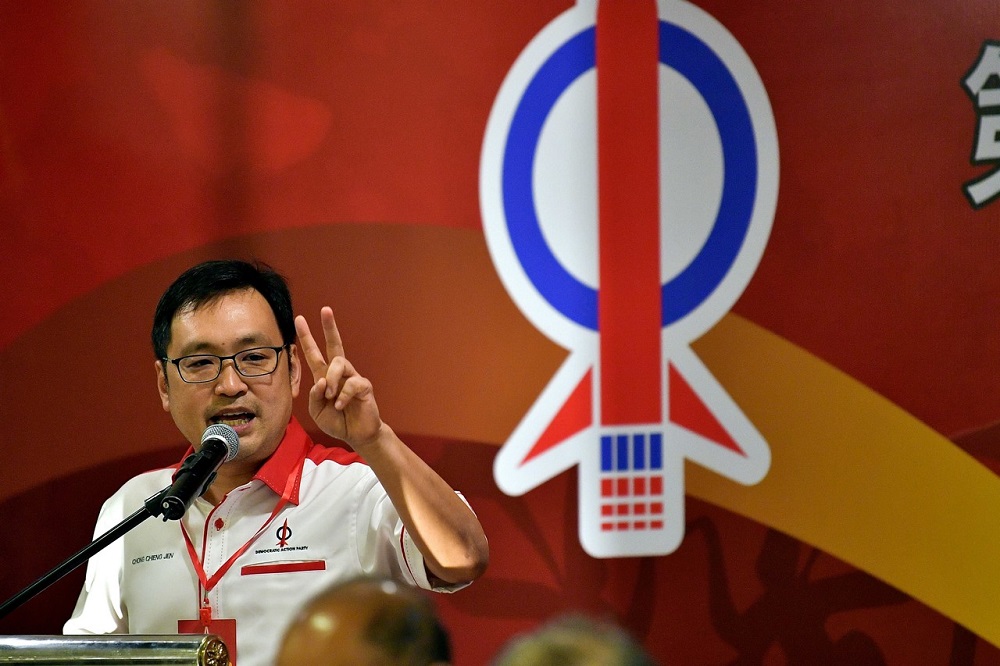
(366, 622)
(574, 640)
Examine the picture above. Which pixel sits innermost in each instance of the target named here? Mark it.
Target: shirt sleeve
(415, 564)
(385, 546)
(99, 608)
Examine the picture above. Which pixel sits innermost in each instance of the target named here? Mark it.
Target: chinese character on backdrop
(983, 85)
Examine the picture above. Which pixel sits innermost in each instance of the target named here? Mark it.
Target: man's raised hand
(341, 401)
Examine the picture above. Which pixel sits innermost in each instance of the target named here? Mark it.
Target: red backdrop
(341, 142)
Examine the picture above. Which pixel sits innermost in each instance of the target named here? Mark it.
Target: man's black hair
(210, 280)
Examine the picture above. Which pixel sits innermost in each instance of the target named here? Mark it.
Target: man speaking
(285, 517)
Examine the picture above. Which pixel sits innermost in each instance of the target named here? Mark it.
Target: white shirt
(338, 523)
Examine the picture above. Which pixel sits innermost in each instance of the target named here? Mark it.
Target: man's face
(258, 408)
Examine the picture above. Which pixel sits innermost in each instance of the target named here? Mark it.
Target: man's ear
(162, 385)
(294, 369)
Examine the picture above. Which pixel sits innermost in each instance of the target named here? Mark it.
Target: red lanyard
(208, 584)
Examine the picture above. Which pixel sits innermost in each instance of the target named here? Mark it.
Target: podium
(165, 650)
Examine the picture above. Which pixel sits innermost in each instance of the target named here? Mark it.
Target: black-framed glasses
(201, 368)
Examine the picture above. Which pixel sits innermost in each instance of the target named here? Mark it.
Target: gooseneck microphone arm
(190, 481)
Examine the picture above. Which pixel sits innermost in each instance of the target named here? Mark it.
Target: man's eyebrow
(204, 347)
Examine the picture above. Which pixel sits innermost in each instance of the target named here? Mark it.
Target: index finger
(334, 345)
(310, 350)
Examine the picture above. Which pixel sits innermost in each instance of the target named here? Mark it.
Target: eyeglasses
(201, 368)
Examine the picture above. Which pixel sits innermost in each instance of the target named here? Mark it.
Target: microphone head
(224, 434)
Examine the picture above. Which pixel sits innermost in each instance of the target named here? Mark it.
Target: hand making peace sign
(341, 401)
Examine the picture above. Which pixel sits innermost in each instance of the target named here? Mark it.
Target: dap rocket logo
(628, 184)
(284, 533)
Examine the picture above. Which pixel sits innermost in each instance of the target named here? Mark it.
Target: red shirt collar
(287, 460)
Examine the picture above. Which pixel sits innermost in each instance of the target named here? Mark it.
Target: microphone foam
(226, 435)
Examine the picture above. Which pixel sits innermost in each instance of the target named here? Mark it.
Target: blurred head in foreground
(574, 640)
(367, 622)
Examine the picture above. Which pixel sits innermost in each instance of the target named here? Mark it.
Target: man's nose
(230, 381)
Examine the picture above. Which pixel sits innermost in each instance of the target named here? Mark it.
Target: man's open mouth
(233, 420)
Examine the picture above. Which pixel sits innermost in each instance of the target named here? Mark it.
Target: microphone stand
(151, 509)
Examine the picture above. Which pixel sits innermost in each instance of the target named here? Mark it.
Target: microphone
(219, 444)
